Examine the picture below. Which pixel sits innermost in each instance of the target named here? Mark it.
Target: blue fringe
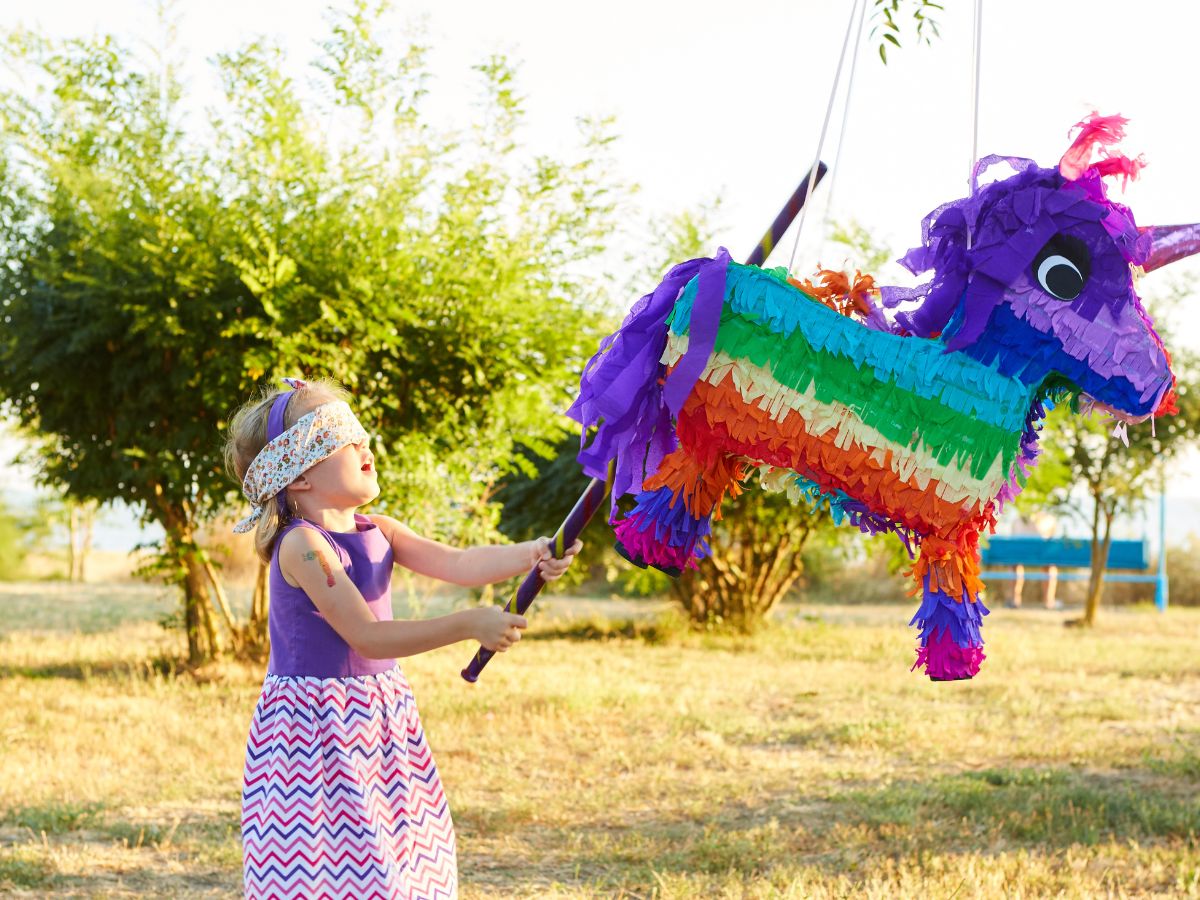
(918, 365)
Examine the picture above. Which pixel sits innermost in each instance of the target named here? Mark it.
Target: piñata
(911, 411)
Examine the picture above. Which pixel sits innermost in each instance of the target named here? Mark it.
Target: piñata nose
(1169, 243)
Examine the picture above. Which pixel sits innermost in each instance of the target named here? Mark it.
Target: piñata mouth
(1119, 419)
(1089, 405)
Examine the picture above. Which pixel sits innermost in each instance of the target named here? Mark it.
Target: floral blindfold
(315, 436)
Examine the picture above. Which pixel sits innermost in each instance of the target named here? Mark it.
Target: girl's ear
(300, 484)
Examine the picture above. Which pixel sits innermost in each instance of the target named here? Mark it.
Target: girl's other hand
(496, 629)
(550, 567)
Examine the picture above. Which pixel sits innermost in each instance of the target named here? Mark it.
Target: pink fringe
(1102, 132)
(1093, 130)
(944, 660)
(642, 545)
(1120, 165)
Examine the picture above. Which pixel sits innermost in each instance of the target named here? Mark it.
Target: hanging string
(976, 53)
(812, 178)
(837, 159)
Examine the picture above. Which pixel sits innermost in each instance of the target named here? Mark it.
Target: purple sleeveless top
(302, 642)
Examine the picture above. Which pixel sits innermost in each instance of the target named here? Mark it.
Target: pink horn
(1169, 243)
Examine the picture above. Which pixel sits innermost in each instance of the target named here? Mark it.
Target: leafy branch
(887, 30)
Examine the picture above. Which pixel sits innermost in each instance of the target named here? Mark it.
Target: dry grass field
(605, 757)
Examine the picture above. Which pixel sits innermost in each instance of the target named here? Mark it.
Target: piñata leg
(950, 617)
(668, 527)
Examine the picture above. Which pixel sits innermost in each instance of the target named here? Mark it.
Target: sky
(727, 99)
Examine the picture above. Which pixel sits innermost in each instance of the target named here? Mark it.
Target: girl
(341, 797)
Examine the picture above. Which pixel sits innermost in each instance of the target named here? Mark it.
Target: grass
(613, 758)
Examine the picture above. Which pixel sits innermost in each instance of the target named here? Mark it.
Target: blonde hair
(248, 435)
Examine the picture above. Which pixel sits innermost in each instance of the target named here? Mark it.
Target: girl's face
(344, 479)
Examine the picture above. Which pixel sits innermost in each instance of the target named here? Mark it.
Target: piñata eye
(1062, 267)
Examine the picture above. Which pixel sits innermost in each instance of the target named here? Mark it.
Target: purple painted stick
(585, 507)
(789, 212)
(594, 494)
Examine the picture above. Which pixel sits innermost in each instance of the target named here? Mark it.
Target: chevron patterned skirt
(341, 797)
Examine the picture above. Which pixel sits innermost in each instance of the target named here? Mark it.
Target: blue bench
(1072, 553)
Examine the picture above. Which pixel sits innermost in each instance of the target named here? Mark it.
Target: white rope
(812, 175)
(837, 159)
(976, 53)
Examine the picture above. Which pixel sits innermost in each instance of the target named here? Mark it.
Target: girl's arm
(308, 562)
(475, 566)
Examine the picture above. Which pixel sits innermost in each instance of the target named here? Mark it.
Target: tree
(78, 518)
(156, 277)
(442, 271)
(18, 535)
(113, 290)
(1080, 452)
(757, 557)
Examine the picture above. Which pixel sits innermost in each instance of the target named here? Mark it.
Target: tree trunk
(85, 542)
(258, 637)
(204, 640)
(754, 564)
(1099, 565)
(72, 532)
(222, 600)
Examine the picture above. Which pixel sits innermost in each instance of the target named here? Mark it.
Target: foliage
(756, 559)
(860, 245)
(537, 505)
(883, 22)
(14, 543)
(1183, 572)
(78, 519)
(157, 276)
(671, 239)
(436, 275)
(843, 566)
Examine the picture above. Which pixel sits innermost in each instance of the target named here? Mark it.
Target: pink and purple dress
(341, 797)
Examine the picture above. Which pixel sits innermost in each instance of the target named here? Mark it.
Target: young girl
(341, 797)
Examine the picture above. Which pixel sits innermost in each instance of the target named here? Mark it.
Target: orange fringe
(954, 575)
(838, 293)
(949, 549)
(746, 429)
(701, 487)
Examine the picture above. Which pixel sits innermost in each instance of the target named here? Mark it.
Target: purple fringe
(620, 391)
(662, 532)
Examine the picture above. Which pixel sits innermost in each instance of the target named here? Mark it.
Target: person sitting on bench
(1044, 525)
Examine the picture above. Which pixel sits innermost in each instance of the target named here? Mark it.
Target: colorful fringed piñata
(921, 423)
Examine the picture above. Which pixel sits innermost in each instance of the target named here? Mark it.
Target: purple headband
(276, 426)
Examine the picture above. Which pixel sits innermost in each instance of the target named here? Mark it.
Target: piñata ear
(1098, 131)
(1120, 165)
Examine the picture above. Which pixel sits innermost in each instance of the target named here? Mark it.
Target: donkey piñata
(922, 422)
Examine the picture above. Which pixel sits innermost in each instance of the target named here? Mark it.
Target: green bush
(14, 543)
(1183, 572)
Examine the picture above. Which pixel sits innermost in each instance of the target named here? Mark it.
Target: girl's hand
(550, 567)
(496, 629)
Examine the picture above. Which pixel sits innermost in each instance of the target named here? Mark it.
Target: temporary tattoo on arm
(319, 557)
